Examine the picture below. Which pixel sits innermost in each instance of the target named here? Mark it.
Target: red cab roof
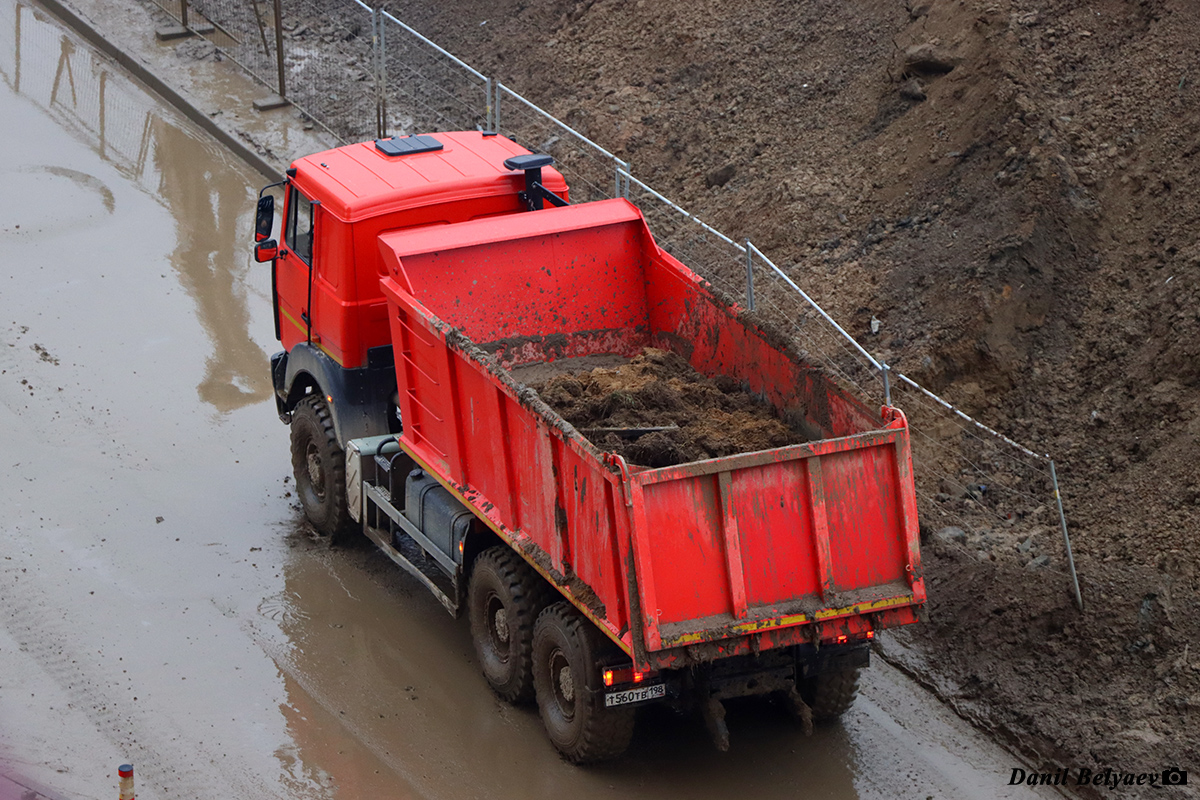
(359, 181)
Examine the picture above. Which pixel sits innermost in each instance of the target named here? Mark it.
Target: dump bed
(681, 564)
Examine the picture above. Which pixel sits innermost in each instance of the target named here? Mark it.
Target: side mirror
(266, 251)
(264, 219)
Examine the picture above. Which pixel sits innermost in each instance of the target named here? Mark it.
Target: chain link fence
(244, 31)
(361, 72)
(592, 172)
(330, 67)
(425, 88)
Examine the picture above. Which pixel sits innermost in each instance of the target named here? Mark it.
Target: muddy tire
(503, 601)
(566, 653)
(830, 694)
(319, 465)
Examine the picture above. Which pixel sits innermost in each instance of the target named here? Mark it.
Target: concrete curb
(20, 788)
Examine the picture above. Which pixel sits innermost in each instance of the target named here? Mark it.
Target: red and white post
(125, 771)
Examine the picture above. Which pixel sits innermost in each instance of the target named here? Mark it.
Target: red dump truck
(416, 277)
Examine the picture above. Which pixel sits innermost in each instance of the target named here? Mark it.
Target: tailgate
(775, 540)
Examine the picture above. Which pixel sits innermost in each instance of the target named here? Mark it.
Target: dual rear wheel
(503, 601)
(532, 649)
(830, 694)
(567, 652)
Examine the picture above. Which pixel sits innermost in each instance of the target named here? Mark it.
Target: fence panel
(330, 64)
(80, 90)
(981, 491)
(709, 253)
(425, 88)
(779, 300)
(592, 172)
(745, 276)
(244, 31)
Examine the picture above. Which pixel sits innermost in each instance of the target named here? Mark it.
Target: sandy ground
(164, 605)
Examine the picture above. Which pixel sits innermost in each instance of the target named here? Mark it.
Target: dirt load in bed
(695, 417)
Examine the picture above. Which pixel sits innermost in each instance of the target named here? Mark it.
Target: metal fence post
(278, 45)
(487, 90)
(1062, 518)
(885, 371)
(183, 13)
(749, 276)
(380, 47)
(375, 70)
(496, 107)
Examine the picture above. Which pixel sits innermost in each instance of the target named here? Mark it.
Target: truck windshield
(299, 226)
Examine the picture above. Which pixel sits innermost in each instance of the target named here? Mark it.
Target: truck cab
(330, 313)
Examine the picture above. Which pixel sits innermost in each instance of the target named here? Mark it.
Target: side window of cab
(300, 225)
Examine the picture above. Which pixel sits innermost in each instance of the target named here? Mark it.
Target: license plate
(639, 695)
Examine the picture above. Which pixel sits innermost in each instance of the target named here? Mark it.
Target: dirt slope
(1010, 187)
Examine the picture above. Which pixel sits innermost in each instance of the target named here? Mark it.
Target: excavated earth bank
(1009, 187)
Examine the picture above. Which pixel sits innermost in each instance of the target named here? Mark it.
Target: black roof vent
(407, 145)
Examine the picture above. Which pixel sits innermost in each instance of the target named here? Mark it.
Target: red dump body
(682, 564)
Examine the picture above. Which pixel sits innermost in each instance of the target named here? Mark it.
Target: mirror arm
(263, 190)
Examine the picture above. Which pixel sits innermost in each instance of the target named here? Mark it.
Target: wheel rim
(562, 679)
(498, 630)
(316, 472)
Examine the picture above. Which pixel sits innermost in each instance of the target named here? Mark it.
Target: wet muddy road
(162, 602)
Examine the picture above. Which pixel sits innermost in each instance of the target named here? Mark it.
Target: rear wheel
(830, 694)
(319, 465)
(503, 601)
(566, 654)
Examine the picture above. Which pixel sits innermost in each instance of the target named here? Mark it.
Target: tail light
(614, 676)
(843, 638)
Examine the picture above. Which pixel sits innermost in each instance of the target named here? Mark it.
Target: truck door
(293, 267)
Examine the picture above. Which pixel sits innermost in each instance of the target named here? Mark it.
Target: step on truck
(413, 278)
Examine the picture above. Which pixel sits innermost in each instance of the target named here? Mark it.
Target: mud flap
(714, 716)
(771, 675)
(799, 709)
(714, 719)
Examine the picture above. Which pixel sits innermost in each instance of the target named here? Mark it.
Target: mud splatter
(44, 354)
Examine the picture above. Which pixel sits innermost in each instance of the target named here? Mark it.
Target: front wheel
(566, 677)
(319, 465)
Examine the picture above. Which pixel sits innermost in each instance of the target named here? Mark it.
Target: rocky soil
(1009, 187)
